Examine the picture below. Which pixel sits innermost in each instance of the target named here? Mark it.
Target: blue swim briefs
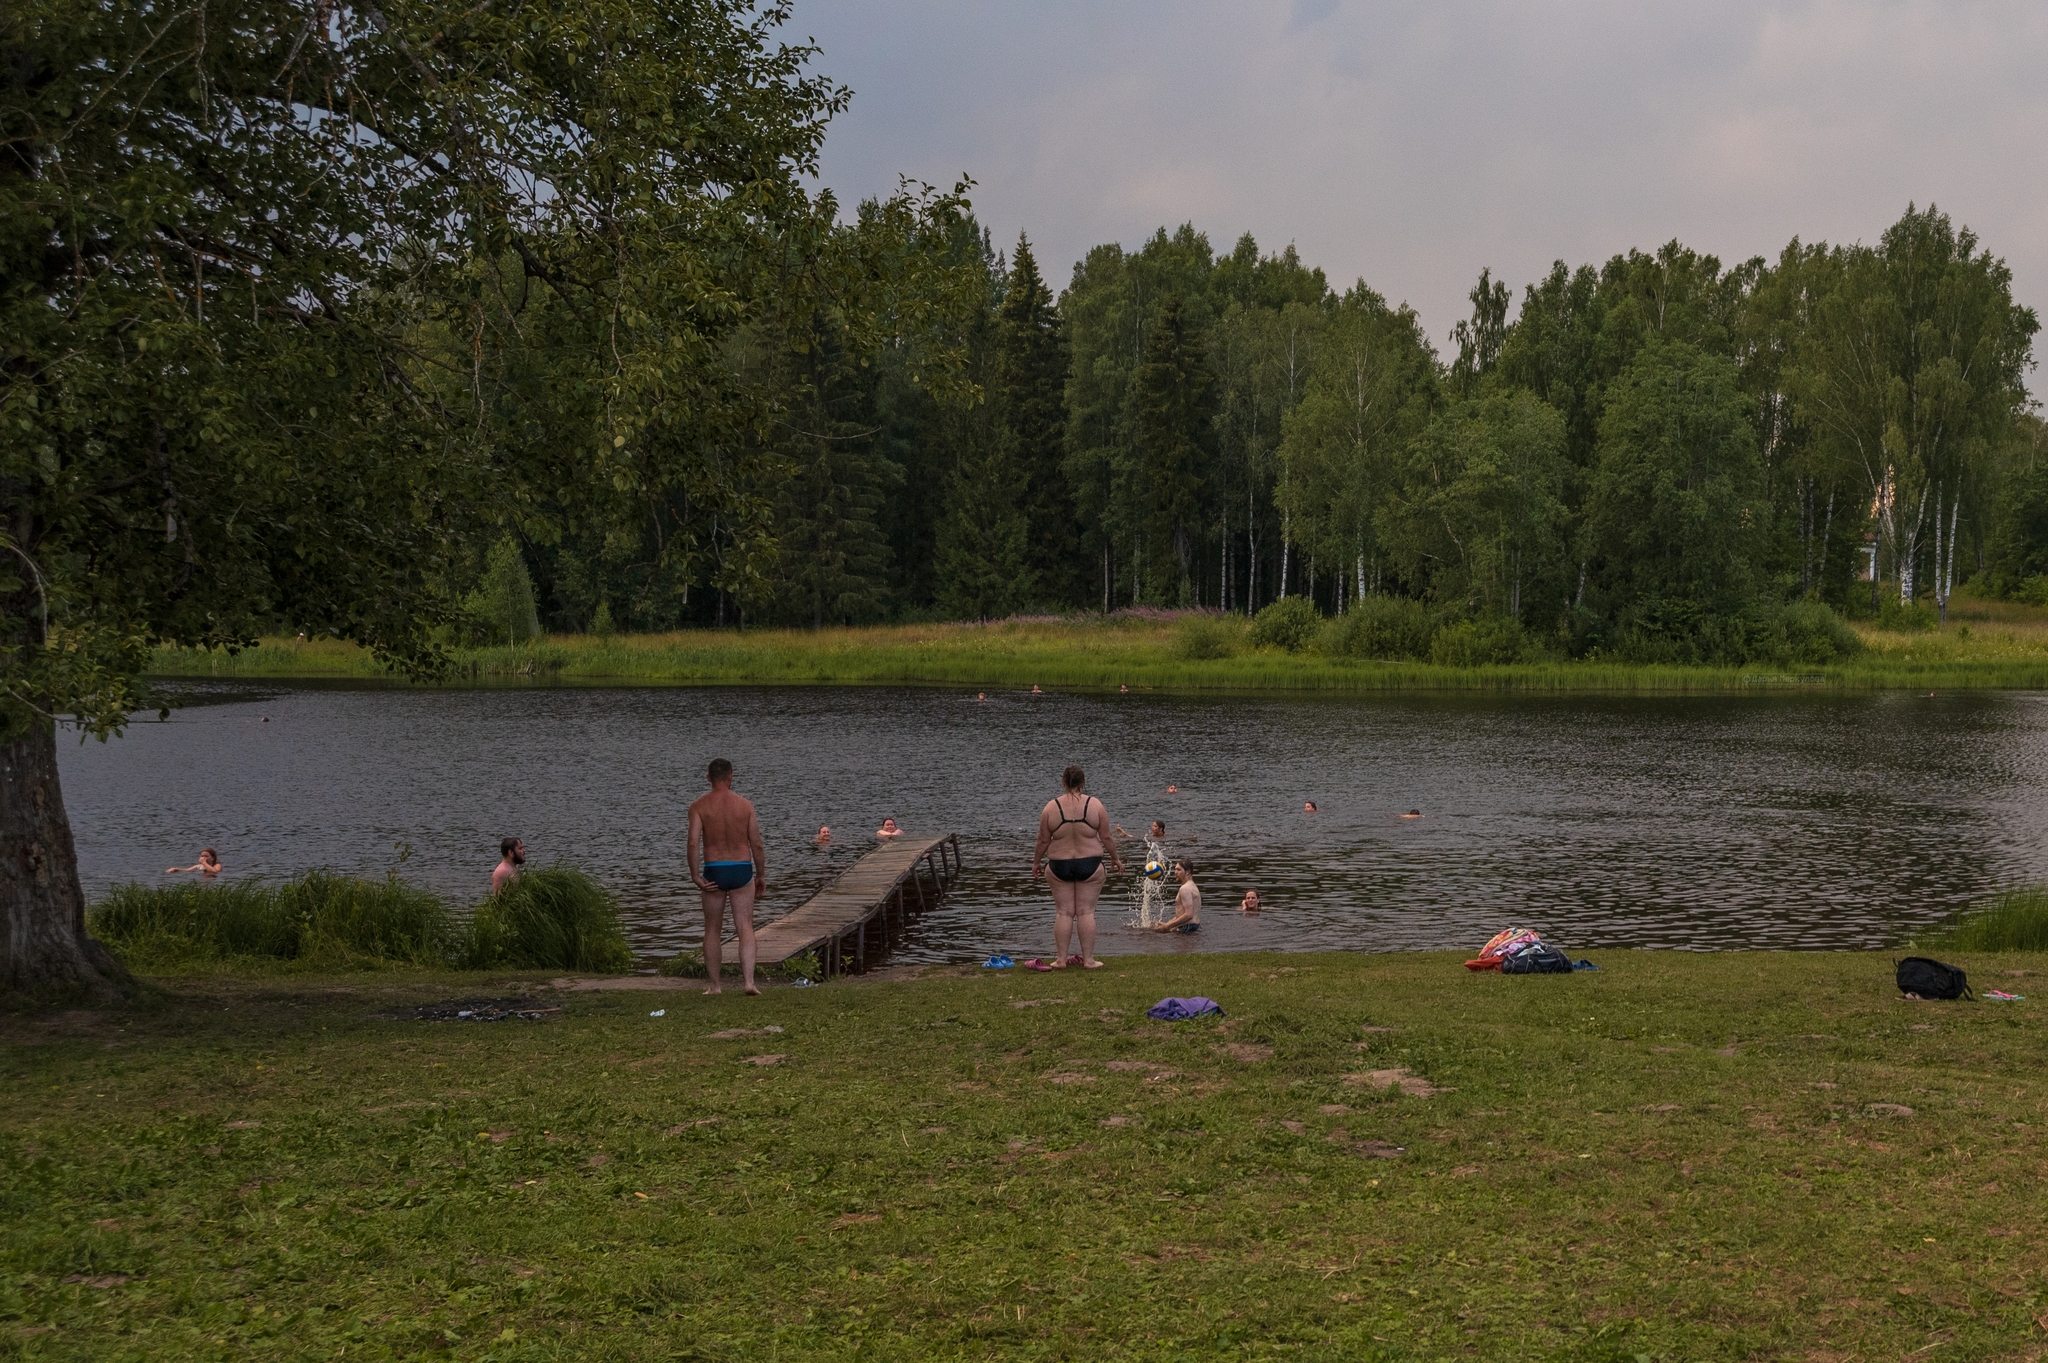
(729, 875)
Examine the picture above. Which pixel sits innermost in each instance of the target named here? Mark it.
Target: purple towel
(1175, 1010)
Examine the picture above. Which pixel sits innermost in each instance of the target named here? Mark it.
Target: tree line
(1648, 458)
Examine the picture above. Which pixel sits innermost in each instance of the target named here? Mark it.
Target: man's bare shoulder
(712, 801)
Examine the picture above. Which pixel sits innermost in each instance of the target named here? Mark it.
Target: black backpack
(1539, 959)
(1932, 980)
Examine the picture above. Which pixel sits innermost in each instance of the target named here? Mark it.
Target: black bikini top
(1064, 820)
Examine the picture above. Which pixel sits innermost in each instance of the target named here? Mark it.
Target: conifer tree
(1174, 407)
(1030, 384)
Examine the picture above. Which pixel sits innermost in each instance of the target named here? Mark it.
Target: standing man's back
(729, 865)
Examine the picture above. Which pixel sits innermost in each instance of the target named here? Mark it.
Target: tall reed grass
(2016, 920)
(552, 918)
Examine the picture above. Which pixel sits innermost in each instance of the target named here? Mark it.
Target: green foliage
(1386, 627)
(601, 624)
(319, 921)
(1291, 624)
(504, 602)
(1906, 617)
(1200, 637)
(550, 918)
(1815, 635)
(2016, 920)
(1489, 641)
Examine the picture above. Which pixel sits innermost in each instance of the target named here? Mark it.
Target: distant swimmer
(207, 865)
(824, 835)
(888, 830)
(1412, 814)
(1035, 691)
(727, 862)
(1123, 688)
(1073, 839)
(1158, 831)
(1173, 790)
(1252, 903)
(511, 856)
(981, 695)
(1308, 807)
(1187, 903)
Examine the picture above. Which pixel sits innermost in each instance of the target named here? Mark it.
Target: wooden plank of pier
(851, 919)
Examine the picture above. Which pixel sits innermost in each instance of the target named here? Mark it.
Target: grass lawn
(1678, 1157)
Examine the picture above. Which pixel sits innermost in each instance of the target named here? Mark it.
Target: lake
(1817, 821)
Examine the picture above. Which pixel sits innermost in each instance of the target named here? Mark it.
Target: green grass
(551, 918)
(2016, 920)
(2006, 648)
(1679, 1157)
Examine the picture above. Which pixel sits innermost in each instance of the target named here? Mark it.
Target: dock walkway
(851, 918)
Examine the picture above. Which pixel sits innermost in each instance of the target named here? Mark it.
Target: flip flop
(1075, 960)
(1034, 964)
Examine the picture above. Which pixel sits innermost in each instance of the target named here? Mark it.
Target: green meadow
(1987, 644)
(1680, 1156)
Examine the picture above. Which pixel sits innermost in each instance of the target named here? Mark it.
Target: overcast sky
(1411, 143)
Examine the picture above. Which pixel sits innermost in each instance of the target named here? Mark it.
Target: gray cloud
(1411, 143)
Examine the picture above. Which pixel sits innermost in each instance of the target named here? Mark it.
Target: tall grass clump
(1199, 638)
(1390, 628)
(320, 921)
(551, 918)
(1291, 623)
(2016, 920)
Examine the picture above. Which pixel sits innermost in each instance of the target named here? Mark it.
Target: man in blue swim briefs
(728, 863)
(1187, 903)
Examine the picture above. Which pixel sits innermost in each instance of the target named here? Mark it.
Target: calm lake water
(1727, 821)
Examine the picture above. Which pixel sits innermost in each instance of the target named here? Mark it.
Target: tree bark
(44, 948)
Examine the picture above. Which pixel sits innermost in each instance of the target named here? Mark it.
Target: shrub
(319, 920)
(1380, 627)
(1200, 637)
(1291, 623)
(551, 918)
(1815, 634)
(2034, 591)
(1904, 618)
(2016, 920)
(1489, 640)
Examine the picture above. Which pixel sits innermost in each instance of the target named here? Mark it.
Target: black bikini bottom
(1075, 869)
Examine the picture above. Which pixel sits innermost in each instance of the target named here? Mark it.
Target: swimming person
(824, 835)
(888, 830)
(1187, 903)
(1158, 831)
(725, 840)
(1073, 839)
(1252, 903)
(511, 856)
(207, 865)
(1308, 807)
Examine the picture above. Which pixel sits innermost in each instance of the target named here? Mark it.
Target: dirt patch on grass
(1036, 1003)
(487, 1010)
(1246, 1052)
(1415, 1086)
(764, 1059)
(735, 1033)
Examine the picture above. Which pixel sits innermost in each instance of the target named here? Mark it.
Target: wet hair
(719, 770)
(505, 847)
(205, 852)
(1074, 778)
(1186, 865)
(1160, 824)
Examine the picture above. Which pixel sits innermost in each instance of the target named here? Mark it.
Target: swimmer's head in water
(1073, 778)
(208, 854)
(719, 770)
(1412, 814)
(1309, 807)
(888, 825)
(1158, 829)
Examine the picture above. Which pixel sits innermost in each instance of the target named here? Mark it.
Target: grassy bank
(2000, 645)
(1738, 1156)
(552, 917)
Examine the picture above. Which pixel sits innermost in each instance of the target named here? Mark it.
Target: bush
(1291, 623)
(2033, 591)
(1916, 618)
(1815, 634)
(1201, 637)
(2016, 920)
(320, 920)
(1490, 640)
(1380, 627)
(551, 918)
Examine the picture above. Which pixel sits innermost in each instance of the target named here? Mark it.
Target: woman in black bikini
(1073, 840)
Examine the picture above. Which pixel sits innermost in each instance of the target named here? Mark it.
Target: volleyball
(1155, 870)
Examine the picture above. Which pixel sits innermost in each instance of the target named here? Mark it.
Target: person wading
(730, 866)
(1073, 839)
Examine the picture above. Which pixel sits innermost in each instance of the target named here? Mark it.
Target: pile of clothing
(1520, 951)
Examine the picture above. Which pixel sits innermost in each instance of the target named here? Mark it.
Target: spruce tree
(1173, 411)
(1030, 384)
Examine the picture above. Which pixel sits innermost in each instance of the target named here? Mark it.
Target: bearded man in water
(730, 866)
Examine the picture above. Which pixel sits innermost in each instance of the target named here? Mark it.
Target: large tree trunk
(44, 948)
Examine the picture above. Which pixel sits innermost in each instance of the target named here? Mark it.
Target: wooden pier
(850, 920)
